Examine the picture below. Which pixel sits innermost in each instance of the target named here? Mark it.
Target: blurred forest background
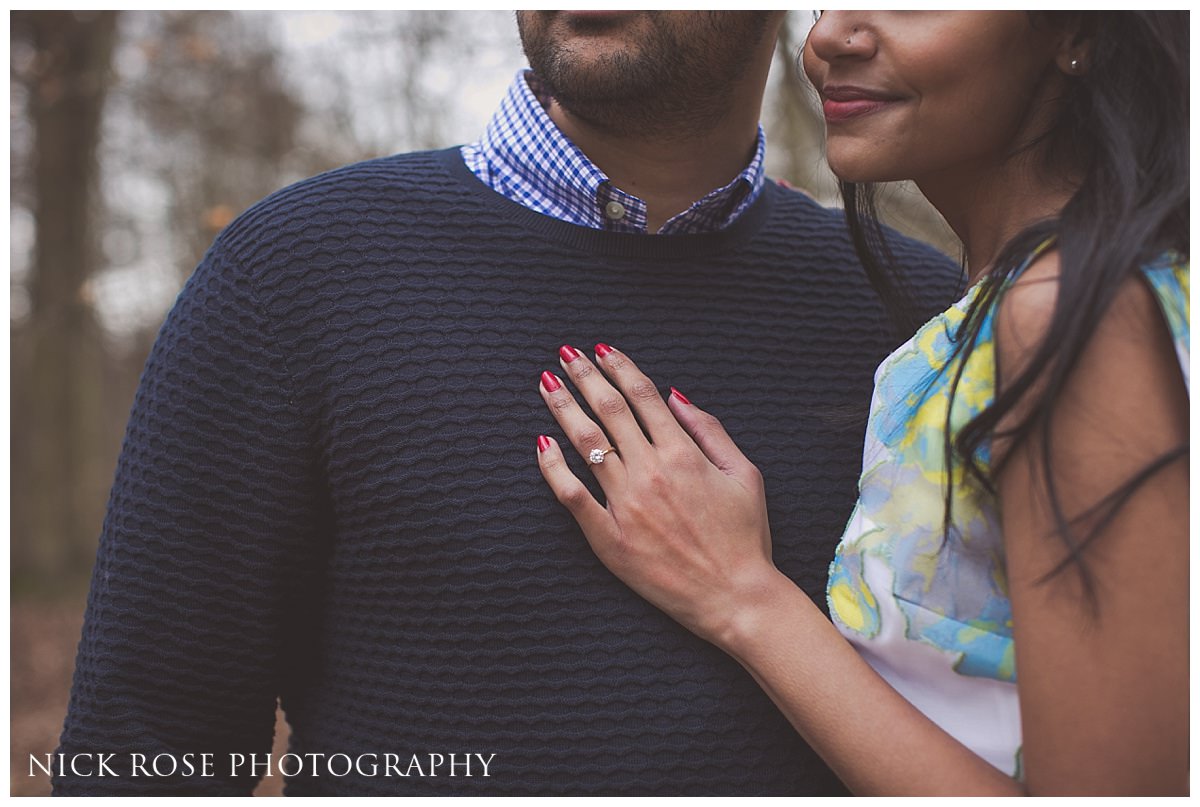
(135, 137)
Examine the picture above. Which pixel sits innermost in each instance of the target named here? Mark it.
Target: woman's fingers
(685, 523)
(673, 422)
(712, 438)
(641, 394)
(570, 492)
(583, 433)
(606, 402)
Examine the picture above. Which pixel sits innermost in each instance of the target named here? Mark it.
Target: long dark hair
(1123, 124)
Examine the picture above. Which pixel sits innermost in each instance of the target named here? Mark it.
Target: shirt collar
(525, 156)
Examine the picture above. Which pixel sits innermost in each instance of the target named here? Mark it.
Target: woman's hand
(686, 521)
(686, 527)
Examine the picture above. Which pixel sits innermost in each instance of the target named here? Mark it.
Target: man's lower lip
(595, 15)
(838, 111)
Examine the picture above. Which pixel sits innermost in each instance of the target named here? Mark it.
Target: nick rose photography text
(310, 764)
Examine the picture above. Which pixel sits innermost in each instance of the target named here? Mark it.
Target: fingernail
(680, 396)
(602, 349)
(550, 381)
(568, 353)
(543, 442)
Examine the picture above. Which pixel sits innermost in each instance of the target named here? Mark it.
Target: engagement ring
(597, 455)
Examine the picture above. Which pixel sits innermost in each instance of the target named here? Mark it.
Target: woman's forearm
(874, 739)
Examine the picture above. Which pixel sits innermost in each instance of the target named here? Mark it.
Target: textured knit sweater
(328, 494)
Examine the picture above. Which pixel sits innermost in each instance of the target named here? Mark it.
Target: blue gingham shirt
(525, 157)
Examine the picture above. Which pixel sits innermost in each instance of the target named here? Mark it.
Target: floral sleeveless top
(931, 616)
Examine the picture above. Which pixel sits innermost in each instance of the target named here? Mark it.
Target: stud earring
(1074, 65)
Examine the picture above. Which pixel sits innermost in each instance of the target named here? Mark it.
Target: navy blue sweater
(328, 494)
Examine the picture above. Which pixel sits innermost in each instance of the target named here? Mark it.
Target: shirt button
(615, 211)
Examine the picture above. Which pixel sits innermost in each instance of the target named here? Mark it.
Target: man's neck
(668, 174)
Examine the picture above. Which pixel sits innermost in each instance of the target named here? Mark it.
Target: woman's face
(914, 94)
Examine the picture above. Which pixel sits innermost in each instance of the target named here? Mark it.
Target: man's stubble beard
(665, 86)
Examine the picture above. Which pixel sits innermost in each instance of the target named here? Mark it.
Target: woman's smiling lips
(843, 102)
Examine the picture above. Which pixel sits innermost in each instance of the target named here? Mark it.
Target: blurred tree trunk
(58, 504)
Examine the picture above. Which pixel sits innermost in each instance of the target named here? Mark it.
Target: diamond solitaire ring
(597, 455)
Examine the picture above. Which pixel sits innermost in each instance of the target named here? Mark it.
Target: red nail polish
(550, 381)
(568, 353)
(680, 396)
(603, 350)
(543, 442)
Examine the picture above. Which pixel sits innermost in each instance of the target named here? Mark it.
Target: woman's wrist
(761, 604)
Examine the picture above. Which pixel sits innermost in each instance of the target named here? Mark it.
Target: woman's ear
(1073, 62)
(1073, 56)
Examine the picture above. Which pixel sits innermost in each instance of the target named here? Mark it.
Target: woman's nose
(841, 35)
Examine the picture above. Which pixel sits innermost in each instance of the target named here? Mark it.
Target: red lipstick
(844, 102)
